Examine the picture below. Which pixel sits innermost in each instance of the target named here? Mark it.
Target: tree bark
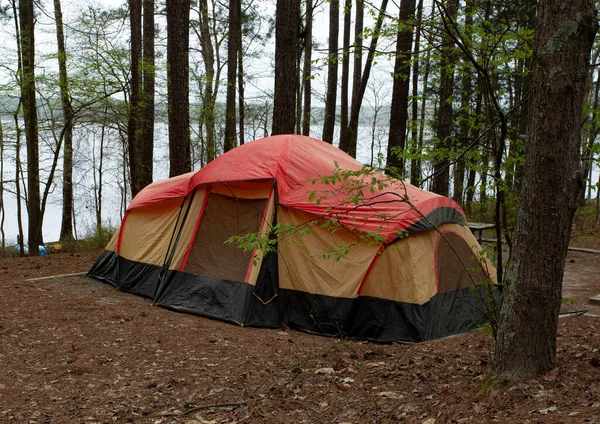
(133, 123)
(306, 74)
(147, 96)
(241, 104)
(345, 77)
(2, 210)
(66, 228)
(287, 23)
(26, 18)
(357, 48)
(441, 168)
(400, 90)
(178, 41)
(332, 72)
(233, 44)
(526, 344)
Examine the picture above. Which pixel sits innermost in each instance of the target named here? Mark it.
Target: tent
(396, 263)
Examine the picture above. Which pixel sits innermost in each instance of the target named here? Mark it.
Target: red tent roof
(295, 161)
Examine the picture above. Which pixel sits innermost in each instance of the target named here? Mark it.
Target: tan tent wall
(453, 273)
(147, 231)
(402, 269)
(406, 272)
(302, 267)
(112, 244)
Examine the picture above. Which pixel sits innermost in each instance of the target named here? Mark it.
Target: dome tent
(408, 279)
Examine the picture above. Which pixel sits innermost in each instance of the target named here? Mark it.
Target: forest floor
(75, 350)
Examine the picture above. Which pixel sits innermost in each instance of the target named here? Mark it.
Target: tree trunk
(66, 228)
(400, 90)
(287, 23)
(147, 97)
(306, 74)
(332, 72)
(20, 240)
(345, 77)
(233, 43)
(178, 41)
(208, 100)
(441, 168)
(299, 88)
(20, 243)
(26, 18)
(358, 51)
(415, 150)
(133, 123)
(2, 210)
(241, 104)
(526, 344)
(98, 190)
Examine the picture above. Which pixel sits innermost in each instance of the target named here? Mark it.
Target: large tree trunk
(332, 71)
(306, 73)
(133, 123)
(287, 23)
(26, 18)
(441, 168)
(232, 51)
(178, 41)
(66, 228)
(399, 105)
(147, 97)
(526, 344)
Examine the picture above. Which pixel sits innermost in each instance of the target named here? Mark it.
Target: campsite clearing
(76, 350)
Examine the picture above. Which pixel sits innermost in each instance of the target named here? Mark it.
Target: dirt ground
(74, 350)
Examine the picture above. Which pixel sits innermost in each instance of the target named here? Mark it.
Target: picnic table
(477, 228)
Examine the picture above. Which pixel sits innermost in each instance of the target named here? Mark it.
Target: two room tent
(353, 254)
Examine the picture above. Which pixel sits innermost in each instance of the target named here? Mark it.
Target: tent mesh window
(451, 273)
(224, 217)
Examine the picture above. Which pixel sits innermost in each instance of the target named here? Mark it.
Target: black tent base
(364, 318)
